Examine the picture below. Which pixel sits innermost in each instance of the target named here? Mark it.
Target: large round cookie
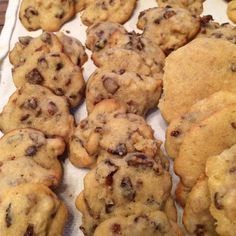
(221, 171)
(140, 93)
(196, 71)
(151, 224)
(106, 10)
(194, 6)
(110, 130)
(209, 137)
(31, 210)
(170, 28)
(37, 107)
(27, 156)
(196, 217)
(49, 15)
(121, 182)
(53, 70)
(27, 45)
(178, 128)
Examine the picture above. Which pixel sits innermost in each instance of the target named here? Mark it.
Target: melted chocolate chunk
(31, 151)
(8, 218)
(34, 77)
(217, 201)
(120, 150)
(127, 189)
(116, 229)
(29, 231)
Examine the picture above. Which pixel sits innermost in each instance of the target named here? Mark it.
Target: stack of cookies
(198, 102)
(37, 125)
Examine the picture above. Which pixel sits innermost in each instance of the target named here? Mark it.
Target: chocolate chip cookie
(170, 28)
(27, 156)
(110, 130)
(31, 209)
(37, 107)
(52, 70)
(47, 15)
(117, 184)
(140, 93)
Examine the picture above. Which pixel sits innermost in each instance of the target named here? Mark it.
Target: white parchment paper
(73, 178)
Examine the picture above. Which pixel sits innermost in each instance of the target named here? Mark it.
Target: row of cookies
(198, 103)
(124, 157)
(50, 16)
(36, 123)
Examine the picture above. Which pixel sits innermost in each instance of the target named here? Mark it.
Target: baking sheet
(73, 177)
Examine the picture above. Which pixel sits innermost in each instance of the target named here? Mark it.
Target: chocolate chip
(109, 178)
(110, 85)
(24, 117)
(52, 108)
(232, 169)
(34, 77)
(175, 133)
(200, 230)
(158, 20)
(168, 14)
(43, 62)
(60, 14)
(100, 44)
(206, 19)
(83, 124)
(29, 231)
(8, 218)
(217, 201)
(59, 66)
(233, 124)
(139, 160)
(127, 189)
(46, 37)
(121, 71)
(120, 150)
(31, 103)
(25, 40)
(109, 207)
(59, 91)
(116, 229)
(233, 67)
(78, 61)
(31, 151)
(98, 130)
(30, 12)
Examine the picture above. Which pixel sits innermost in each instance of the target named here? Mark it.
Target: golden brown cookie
(37, 107)
(190, 75)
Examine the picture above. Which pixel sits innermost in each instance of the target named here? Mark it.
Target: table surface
(3, 7)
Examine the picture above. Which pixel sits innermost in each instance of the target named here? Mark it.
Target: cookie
(47, 15)
(117, 59)
(120, 183)
(194, 6)
(54, 71)
(178, 128)
(37, 107)
(73, 48)
(27, 45)
(153, 224)
(118, 11)
(185, 74)
(220, 170)
(32, 209)
(231, 12)
(209, 137)
(212, 29)
(103, 35)
(151, 54)
(170, 28)
(27, 156)
(140, 93)
(110, 130)
(196, 217)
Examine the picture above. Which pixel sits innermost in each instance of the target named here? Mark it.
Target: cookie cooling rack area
(73, 177)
